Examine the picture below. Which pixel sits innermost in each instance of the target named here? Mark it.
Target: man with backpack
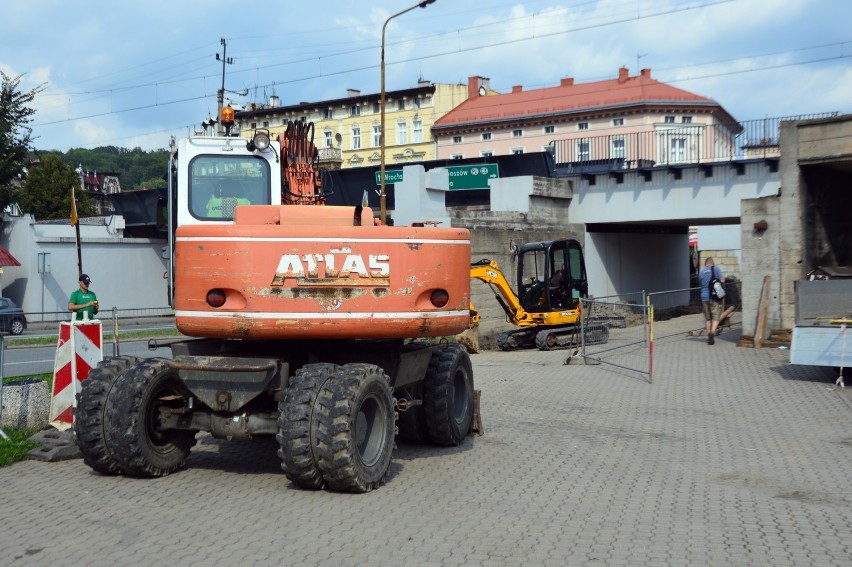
(712, 297)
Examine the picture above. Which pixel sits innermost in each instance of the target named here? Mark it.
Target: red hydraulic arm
(299, 165)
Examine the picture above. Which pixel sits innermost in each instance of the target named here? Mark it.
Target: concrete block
(55, 446)
(25, 404)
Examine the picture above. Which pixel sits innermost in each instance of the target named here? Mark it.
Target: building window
(549, 129)
(377, 136)
(486, 136)
(517, 133)
(517, 151)
(328, 114)
(618, 121)
(400, 105)
(584, 152)
(401, 132)
(669, 119)
(377, 107)
(617, 150)
(417, 102)
(677, 150)
(418, 129)
(686, 119)
(457, 156)
(486, 153)
(266, 123)
(356, 137)
(355, 110)
(582, 126)
(457, 139)
(329, 136)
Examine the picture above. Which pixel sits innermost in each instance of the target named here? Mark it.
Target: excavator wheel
(448, 396)
(90, 427)
(140, 448)
(355, 419)
(297, 449)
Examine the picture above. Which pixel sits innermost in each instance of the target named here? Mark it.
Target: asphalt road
(26, 360)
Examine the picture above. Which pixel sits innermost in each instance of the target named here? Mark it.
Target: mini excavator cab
(551, 275)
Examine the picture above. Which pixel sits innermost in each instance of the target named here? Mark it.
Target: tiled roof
(6, 258)
(571, 98)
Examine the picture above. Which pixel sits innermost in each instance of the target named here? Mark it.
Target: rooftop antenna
(638, 57)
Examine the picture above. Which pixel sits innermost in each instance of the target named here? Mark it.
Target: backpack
(717, 289)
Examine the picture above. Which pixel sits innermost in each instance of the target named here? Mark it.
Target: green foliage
(15, 134)
(46, 193)
(15, 448)
(135, 168)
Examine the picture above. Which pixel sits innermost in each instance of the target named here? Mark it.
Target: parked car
(12, 318)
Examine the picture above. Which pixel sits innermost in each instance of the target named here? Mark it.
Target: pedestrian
(712, 307)
(83, 301)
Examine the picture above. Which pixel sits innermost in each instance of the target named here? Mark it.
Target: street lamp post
(383, 194)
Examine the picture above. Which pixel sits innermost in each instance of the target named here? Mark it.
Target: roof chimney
(517, 88)
(646, 73)
(567, 82)
(352, 92)
(622, 75)
(476, 86)
(273, 101)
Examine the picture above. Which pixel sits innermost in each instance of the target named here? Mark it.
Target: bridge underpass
(637, 223)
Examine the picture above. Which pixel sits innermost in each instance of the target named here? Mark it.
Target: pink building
(628, 121)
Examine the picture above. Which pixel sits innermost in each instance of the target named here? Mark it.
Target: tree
(46, 193)
(15, 134)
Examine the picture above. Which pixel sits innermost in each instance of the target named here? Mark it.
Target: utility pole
(220, 95)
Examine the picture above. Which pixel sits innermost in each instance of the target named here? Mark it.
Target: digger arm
(489, 272)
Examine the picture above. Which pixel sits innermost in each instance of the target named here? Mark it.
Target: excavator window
(217, 184)
(533, 290)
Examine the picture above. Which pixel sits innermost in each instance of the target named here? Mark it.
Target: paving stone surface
(727, 456)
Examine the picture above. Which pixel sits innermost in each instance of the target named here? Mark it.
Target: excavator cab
(551, 275)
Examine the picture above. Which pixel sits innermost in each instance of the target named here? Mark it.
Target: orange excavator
(308, 323)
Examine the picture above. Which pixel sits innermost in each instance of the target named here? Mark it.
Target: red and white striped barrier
(80, 348)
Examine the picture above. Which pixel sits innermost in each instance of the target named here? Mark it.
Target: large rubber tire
(295, 425)
(355, 428)
(89, 427)
(448, 396)
(139, 447)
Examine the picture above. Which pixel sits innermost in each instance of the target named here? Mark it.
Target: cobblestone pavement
(731, 456)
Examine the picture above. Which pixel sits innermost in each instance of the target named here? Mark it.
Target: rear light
(439, 297)
(215, 298)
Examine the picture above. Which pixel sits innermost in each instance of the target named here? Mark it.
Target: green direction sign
(472, 176)
(391, 176)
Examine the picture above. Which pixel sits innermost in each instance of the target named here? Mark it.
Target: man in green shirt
(83, 301)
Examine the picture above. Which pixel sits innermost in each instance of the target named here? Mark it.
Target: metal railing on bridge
(670, 145)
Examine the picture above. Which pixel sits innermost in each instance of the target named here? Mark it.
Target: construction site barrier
(630, 342)
(79, 349)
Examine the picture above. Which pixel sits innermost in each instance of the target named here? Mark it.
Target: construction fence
(627, 322)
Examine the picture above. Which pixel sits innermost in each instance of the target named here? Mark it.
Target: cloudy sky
(133, 73)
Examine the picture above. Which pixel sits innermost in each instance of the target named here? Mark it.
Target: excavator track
(569, 336)
(516, 339)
